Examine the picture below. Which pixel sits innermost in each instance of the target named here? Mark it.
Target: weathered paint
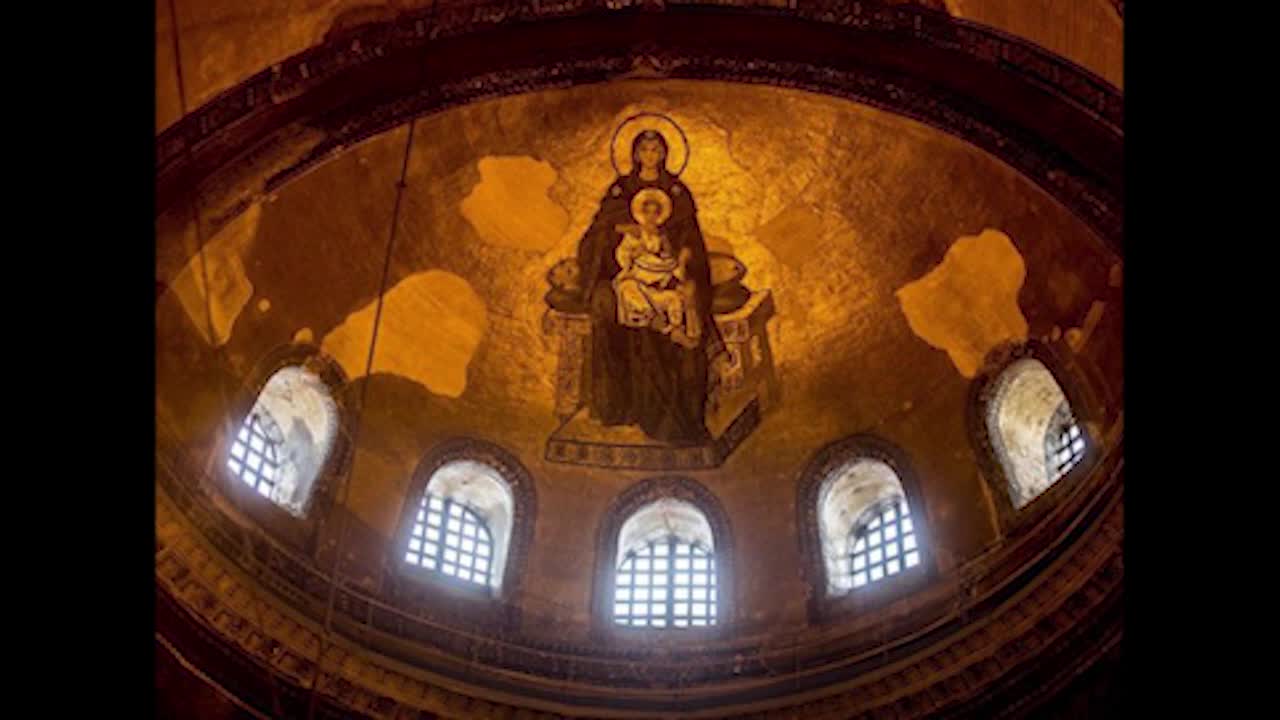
(431, 324)
(968, 304)
(510, 206)
(229, 285)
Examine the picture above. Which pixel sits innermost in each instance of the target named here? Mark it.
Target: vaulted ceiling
(915, 202)
(204, 47)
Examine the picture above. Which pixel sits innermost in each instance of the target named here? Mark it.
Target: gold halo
(625, 134)
(651, 194)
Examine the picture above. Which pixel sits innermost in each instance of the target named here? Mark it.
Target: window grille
(451, 539)
(882, 543)
(667, 583)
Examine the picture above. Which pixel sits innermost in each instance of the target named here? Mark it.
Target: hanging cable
(343, 490)
(201, 255)
(228, 420)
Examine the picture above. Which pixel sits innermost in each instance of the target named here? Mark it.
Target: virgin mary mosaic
(649, 330)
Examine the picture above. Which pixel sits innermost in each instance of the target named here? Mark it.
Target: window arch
(1033, 432)
(665, 559)
(285, 440)
(868, 531)
(467, 519)
(462, 528)
(1030, 417)
(665, 572)
(862, 520)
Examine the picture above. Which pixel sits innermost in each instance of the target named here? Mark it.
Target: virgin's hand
(630, 230)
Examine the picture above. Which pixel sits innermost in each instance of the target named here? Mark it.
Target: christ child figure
(651, 286)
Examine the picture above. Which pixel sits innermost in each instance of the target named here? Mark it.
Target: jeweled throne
(743, 387)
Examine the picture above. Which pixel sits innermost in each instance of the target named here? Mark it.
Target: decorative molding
(376, 78)
(1052, 617)
(594, 453)
(303, 585)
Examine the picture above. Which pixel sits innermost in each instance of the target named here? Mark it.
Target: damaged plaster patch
(510, 206)
(968, 304)
(229, 285)
(431, 325)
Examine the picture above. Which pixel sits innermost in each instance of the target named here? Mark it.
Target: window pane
(659, 587)
(1064, 443)
(878, 553)
(465, 537)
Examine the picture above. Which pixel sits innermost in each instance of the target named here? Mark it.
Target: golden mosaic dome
(446, 427)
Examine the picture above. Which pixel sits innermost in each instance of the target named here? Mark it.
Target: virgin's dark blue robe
(639, 375)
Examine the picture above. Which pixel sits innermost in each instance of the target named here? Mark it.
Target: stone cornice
(1056, 123)
(996, 613)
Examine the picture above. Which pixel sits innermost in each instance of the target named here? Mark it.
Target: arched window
(283, 442)
(882, 543)
(462, 525)
(1032, 430)
(664, 559)
(666, 570)
(466, 524)
(862, 523)
(867, 528)
(450, 537)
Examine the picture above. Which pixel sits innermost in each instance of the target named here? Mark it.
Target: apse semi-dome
(499, 376)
